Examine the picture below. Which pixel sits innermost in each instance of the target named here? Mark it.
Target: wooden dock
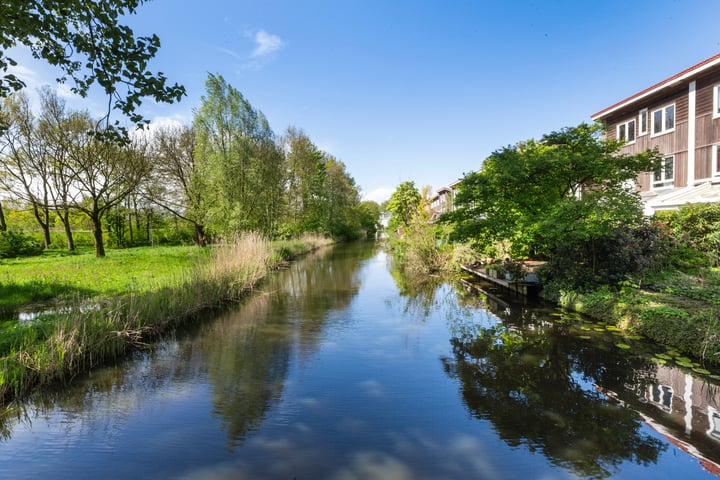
(529, 287)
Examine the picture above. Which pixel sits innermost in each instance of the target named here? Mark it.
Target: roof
(704, 193)
(668, 82)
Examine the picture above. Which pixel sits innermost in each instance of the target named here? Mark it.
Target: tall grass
(58, 346)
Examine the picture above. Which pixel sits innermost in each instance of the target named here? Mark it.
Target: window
(643, 121)
(715, 159)
(664, 177)
(716, 101)
(663, 120)
(626, 132)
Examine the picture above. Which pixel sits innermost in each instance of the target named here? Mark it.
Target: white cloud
(266, 44)
(378, 195)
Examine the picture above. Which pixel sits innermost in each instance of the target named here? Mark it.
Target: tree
(537, 196)
(25, 160)
(103, 174)
(369, 217)
(86, 41)
(177, 184)
(403, 204)
(240, 161)
(56, 130)
(306, 177)
(342, 197)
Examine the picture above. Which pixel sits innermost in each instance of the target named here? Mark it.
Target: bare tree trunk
(199, 236)
(65, 219)
(43, 218)
(98, 235)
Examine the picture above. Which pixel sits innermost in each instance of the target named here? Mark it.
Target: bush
(697, 225)
(18, 244)
(623, 254)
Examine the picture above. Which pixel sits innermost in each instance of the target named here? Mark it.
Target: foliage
(563, 198)
(86, 41)
(242, 166)
(403, 204)
(696, 225)
(18, 244)
(617, 255)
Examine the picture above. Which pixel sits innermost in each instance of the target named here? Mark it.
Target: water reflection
(244, 356)
(585, 405)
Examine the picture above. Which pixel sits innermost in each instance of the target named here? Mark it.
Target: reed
(56, 347)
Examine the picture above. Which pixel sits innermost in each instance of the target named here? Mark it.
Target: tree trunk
(3, 225)
(44, 223)
(65, 219)
(199, 236)
(130, 225)
(98, 236)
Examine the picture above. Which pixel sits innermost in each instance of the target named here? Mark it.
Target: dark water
(343, 369)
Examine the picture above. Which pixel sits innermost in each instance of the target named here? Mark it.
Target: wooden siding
(707, 131)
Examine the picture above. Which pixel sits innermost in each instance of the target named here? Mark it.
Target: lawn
(59, 274)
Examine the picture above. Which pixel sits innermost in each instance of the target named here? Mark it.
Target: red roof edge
(658, 85)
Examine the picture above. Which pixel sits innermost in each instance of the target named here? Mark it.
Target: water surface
(342, 368)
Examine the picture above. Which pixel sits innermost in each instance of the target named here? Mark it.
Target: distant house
(679, 116)
(442, 201)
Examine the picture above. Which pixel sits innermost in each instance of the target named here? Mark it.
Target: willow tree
(238, 157)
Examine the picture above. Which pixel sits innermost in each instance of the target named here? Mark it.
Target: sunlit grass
(124, 301)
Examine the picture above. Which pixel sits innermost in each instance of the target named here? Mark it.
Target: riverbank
(101, 309)
(677, 310)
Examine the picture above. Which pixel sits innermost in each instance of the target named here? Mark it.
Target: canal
(342, 368)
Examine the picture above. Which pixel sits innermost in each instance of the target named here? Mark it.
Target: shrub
(697, 225)
(18, 244)
(622, 254)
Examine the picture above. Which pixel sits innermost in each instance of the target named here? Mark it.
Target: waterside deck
(529, 286)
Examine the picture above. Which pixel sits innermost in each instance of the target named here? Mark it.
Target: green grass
(58, 275)
(123, 301)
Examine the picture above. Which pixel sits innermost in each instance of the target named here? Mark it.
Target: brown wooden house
(679, 116)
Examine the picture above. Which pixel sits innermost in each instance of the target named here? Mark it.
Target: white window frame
(627, 129)
(664, 181)
(716, 101)
(715, 171)
(663, 120)
(641, 114)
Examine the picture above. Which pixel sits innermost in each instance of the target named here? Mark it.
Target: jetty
(528, 285)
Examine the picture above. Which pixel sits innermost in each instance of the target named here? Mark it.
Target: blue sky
(419, 90)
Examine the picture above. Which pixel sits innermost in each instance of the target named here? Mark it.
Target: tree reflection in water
(248, 351)
(537, 386)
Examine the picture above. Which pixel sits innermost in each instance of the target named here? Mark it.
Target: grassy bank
(677, 310)
(124, 301)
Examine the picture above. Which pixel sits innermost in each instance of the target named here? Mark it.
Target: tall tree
(306, 177)
(537, 195)
(25, 160)
(177, 183)
(86, 41)
(404, 204)
(342, 198)
(103, 174)
(57, 130)
(239, 159)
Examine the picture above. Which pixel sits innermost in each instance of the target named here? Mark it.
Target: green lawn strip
(56, 276)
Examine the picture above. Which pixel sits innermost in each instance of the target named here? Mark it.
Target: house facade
(679, 116)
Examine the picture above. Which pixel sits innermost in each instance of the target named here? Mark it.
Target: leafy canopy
(533, 196)
(86, 41)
